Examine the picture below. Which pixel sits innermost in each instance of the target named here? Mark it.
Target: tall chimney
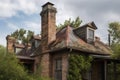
(48, 24)
(10, 43)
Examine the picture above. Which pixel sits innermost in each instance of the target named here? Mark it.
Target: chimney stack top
(48, 4)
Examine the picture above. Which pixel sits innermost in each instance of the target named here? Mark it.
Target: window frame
(90, 34)
(58, 69)
(17, 49)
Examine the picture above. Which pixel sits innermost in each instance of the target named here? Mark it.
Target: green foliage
(114, 31)
(116, 50)
(77, 65)
(73, 23)
(112, 72)
(21, 35)
(9, 67)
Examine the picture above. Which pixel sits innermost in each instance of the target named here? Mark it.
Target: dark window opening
(58, 69)
(28, 67)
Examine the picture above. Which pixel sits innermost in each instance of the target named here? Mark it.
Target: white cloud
(7, 9)
(10, 8)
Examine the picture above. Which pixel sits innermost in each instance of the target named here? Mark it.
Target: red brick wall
(45, 65)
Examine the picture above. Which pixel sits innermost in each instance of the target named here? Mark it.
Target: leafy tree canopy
(23, 35)
(73, 23)
(114, 31)
(9, 67)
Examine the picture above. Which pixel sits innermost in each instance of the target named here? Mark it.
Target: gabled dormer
(86, 32)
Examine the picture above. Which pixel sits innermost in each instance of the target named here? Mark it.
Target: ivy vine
(78, 65)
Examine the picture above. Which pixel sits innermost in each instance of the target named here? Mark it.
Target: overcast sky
(16, 14)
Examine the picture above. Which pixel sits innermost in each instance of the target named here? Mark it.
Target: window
(90, 34)
(37, 43)
(17, 50)
(58, 69)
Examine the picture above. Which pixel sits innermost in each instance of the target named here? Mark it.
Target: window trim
(88, 38)
(58, 70)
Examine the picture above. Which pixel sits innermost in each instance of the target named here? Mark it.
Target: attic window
(17, 50)
(90, 34)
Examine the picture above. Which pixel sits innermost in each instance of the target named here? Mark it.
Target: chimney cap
(48, 3)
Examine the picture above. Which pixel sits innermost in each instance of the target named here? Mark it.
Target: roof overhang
(81, 50)
(25, 57)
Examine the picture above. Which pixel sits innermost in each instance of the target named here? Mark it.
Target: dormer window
(90, 34)
(86, 32)
(17, 50)
(37, 43)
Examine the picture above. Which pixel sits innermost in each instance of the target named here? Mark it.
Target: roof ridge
(67, 35)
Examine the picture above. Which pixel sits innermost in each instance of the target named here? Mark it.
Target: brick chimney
(10, 43)
(48, 35)
(48, 24)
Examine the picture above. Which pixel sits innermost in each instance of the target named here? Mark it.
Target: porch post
(105, 70)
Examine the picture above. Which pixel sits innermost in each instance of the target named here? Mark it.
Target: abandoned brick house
(53, 48)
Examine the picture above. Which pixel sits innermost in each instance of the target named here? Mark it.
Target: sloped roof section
(67, 38)
(90, 24)
(25, 52)
(37, 51)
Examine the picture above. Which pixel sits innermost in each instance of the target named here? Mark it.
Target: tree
(23, 35)
(114, 31)
(10, 69)
(73, 23)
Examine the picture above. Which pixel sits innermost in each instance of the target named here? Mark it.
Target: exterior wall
(45, 65)
(37, 63)
(64, 57)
